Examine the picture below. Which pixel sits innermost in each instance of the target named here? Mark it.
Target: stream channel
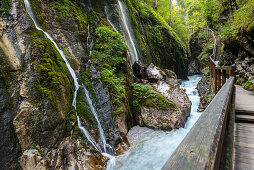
(150, 149)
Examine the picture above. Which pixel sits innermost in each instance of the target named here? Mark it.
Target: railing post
(216, 81)
(232, 73)
(223, 77)
(219, 79)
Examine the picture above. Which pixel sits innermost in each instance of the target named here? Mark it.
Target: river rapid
(150, 149)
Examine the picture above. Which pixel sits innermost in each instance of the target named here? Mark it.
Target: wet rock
(170, 74)
(154, 73)
(69, 155)
(205, 93)
(138, 70)
(9, 147)
(171, 118)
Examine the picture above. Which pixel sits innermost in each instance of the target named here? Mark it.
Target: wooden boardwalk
(244, 130)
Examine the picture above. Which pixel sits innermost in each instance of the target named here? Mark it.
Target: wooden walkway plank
(244, 100)
(244, 132)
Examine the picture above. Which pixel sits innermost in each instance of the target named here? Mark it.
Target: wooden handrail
(202, 147)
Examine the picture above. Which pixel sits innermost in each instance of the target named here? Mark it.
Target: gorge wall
(40, 128)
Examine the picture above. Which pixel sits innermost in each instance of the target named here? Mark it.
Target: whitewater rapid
(150, 149)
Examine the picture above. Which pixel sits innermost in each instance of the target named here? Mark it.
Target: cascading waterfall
(108, 19)
(96, 117)
(75, 79)
(131, 45)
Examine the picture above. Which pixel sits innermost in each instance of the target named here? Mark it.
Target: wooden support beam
(219, 79)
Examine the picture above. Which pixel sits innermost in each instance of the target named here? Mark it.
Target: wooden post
(223, 77)
(211, 69)
(219, 79)
(216, 81)
(232, 73)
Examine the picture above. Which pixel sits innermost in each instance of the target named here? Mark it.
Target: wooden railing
(218, 74)
(202, 147)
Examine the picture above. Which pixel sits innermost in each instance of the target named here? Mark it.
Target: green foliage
(71, 9)
(87, 82)
(65, 8)
(207, 71)
(203, 13)
(5, 5)
(246, 82)
(5, 74)
(242, 19)
(144, 95)
(83, 111)
(110, 46)
(207, 52)
(52, 75)
(109, 54)
(157, 42)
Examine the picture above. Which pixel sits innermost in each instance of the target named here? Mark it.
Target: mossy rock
(52, 75)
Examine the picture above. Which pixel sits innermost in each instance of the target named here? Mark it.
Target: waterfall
(89, 41)
(96, 117)
(108, 19)
(75, 79)
(131, 45)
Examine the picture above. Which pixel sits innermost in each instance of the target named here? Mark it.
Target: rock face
(9, 147)
(204, 91)
(39, 124)
(168, 86)
(239, 53)
(196, 48)
(69, 155)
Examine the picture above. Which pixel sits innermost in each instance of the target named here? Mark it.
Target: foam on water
(150, 149)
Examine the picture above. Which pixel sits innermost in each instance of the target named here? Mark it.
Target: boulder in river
(163, 105)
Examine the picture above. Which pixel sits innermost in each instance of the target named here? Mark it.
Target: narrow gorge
(107, 84)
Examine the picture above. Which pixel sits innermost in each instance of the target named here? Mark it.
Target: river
(150, 149)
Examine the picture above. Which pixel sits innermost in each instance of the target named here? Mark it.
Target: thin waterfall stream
(77, 86)
(130, 44)
(150, 149)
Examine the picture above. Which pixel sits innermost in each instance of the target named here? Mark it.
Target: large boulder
(168, 118)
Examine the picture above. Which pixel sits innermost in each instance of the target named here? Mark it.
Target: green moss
(109, 54)
(239, 21)
(87, 82)
(146, 96)
(52, 75)
(83, 111)
(5, 6)
(5, 74)
(156, 40)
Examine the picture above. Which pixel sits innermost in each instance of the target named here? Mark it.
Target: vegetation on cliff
(110, 57)
(51, 73)
(144, 95)
(159, 43)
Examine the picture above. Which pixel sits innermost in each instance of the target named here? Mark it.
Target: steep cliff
(238, 39)
(156, 41)
(41, 127)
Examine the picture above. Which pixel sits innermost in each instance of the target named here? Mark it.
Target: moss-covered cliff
(237, 34)
(157, 41)
(36, 88)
